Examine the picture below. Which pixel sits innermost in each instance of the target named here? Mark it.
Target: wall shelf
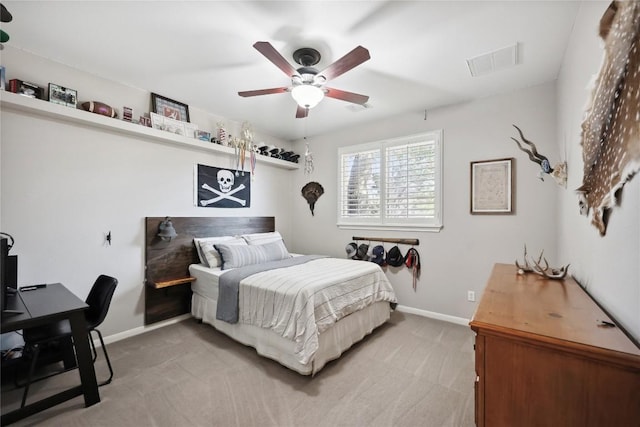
(174, 282)
(36, 107)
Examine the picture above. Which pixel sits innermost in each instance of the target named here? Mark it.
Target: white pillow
(262, 238)
(234, 256)
(198, 240)
(207, 252)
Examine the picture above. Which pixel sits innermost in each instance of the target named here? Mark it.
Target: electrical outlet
(471, 296)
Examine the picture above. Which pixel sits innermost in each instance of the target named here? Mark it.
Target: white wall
(608, 266)
(461, 256)
(64, 186)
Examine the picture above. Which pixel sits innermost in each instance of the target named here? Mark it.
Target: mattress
(206, 283)
(332, 341)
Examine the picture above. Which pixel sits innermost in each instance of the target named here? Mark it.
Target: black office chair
(98, 300)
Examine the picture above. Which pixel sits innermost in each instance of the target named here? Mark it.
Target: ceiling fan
(307, 83)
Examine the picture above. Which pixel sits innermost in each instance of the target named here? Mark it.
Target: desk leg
(85, 361)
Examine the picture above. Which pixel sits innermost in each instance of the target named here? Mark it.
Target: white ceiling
(200, 52)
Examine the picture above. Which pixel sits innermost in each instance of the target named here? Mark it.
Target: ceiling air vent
(500, 59)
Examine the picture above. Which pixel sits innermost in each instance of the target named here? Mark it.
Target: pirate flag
(222, 188)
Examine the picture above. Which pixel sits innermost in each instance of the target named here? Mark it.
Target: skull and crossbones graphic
(225, 181)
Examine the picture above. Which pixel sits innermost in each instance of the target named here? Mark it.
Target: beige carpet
(412, 371)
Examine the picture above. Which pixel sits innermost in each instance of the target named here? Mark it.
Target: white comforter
(301, 301)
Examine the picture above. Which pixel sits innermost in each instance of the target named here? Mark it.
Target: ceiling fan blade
(274, 56)
(247, 93)
(342, 95)
(352, 59)
(302, 112)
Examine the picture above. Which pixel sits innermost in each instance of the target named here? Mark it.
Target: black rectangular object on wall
(11, 272)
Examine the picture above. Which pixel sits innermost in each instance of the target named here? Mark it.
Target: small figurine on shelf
(127, 114)
(222, 135)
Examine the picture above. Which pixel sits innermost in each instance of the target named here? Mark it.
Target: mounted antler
(558, 172)
(533, 154)
(526, 268)
(553, 273)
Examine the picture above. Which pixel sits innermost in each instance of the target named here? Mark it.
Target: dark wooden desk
(46, 305)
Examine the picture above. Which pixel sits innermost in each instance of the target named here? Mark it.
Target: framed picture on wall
(492, 186)
(169, 108)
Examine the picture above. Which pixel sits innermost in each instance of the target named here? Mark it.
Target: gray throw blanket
(229, 283)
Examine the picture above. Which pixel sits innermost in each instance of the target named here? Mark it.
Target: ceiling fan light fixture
(307, 96)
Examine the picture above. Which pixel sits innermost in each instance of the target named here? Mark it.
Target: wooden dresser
(543, 358)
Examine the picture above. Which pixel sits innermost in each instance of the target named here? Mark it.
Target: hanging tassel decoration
(243, 154)
(236, 149)
(252, 160)
(308, 161)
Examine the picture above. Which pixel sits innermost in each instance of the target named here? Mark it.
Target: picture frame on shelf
(30, 90)
(145, 121)
(63, 95)
(167, 124)
(203, 135)
(190, 130)
(491, 189)
(169, 108)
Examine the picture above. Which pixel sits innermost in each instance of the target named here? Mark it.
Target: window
(391, 184)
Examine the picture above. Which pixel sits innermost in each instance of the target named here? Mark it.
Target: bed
(332, 311)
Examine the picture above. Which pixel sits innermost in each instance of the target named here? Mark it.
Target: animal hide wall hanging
(611, 129)
(222, 188)
(312, 192)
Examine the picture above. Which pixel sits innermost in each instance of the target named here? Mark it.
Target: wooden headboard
(168, 290)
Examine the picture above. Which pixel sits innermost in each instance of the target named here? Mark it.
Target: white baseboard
(142, 329)
(433, 315)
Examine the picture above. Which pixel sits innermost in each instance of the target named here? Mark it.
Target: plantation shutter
(411, 181)
(392, 184)
(360, 178)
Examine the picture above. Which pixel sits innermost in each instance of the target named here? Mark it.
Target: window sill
(392, 227)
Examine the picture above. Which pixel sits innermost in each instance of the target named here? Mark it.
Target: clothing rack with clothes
(393, 257)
